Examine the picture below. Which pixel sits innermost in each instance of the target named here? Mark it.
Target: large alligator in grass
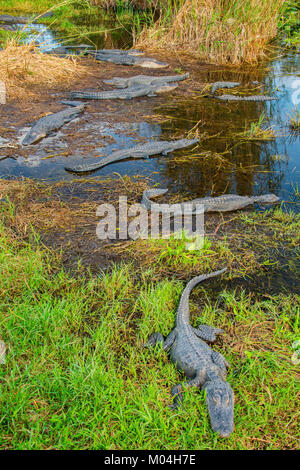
(133, 87)
(130, 57)
(226, 203)
(43, 126)
(220, 85)
(204, 367)
(138, 151)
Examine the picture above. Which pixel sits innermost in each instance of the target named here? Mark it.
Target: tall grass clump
(220, 31)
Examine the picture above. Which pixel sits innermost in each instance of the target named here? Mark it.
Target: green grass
(257, 131)
(289, 24)
(246, 243)
(77, 375)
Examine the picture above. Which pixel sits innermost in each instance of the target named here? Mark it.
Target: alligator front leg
(207, 333)
(219, 360)
(157, 338)
(177, 390)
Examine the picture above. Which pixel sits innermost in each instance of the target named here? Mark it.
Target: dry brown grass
(219, 31)
(23, 69)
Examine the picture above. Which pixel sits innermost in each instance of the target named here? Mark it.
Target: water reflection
(252, 167)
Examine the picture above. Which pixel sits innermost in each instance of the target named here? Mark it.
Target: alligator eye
(217, 399)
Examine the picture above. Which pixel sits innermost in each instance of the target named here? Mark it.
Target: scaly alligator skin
(226, 203)
(72, 103)
(126, 93)
(14, 19)
(145, 80)
(204, 367)
(23, 19)
(43, 126)
(217, 85)
(132, 52)
(129, 58)
(138, 151)
(245, 98)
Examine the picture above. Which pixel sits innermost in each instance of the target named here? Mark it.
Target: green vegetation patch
(290, 23)
(246, 242)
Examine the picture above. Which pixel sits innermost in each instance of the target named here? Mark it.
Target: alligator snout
(220, 400)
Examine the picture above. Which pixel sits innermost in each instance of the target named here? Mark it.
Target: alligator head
(32, 137)
(165, 87)
(219, 399)
(268, 198)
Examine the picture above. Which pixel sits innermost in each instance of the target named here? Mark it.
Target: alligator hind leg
(207, 333)
(177, 390)
(157, 338)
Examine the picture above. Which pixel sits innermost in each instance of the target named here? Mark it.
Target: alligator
(43, 126)
(80, 46)
(218, 85)
(204, 367)
(14, 19)
(215, 86)
(129, 58)
(145, 80)
(138, 151)
(23, 19)
(72, 103)
(225, 203)
(245, 98)
(59, 51)
(132, 52)
(127, 93)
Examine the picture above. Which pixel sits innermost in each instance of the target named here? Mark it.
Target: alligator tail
(149, 193)
(183, 309)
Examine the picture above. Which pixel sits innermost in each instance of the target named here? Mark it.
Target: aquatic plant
(295, 120)
(256, 131)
